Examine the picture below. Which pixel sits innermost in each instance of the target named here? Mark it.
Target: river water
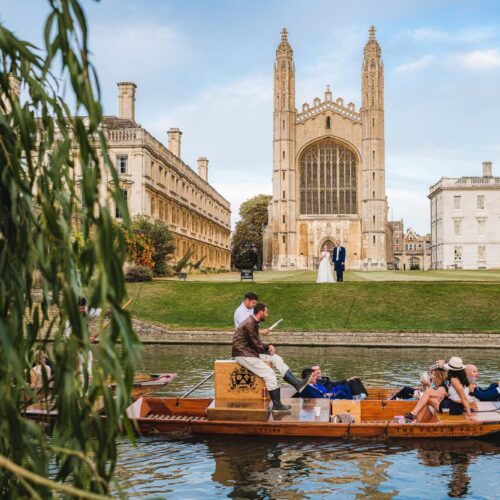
(292, 468)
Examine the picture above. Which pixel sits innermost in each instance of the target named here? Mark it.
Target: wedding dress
(325, 273)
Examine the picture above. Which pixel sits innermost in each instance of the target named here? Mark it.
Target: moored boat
(143, 385)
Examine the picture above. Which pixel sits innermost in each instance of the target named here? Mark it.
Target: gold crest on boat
(242, 380)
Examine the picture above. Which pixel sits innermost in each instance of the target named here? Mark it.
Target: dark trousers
(339, 269)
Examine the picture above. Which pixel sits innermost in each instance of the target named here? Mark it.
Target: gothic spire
(284, 48)
(372, 48)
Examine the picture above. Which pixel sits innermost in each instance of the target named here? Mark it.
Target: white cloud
(478, 59)
(132, 50)
(417, 64)
(469, 35)
(428, 35)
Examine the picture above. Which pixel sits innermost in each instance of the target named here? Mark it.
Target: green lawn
(438, 306)
(492, 275)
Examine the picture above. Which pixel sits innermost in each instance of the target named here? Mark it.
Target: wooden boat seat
(233, 381)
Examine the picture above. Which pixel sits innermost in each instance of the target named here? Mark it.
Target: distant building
(158, 184)
(465, 221)
(410, 250)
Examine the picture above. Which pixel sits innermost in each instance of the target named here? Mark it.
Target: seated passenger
(410, 392)
(40, 370)
(459, 396)
(354, 384)
(432, 396)
(317, 390)
(491, 393)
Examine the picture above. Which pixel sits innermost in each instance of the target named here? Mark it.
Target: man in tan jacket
(249, 351)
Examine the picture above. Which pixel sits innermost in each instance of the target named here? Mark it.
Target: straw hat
(455, 364)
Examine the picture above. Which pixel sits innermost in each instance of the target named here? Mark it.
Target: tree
(140, 249)
(40, 201)
(161, 238)
(246, 243)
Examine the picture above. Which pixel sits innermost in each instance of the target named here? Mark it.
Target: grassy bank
(358, 306)
(490, 275)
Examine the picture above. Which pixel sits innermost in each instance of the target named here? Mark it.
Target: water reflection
(270, 467)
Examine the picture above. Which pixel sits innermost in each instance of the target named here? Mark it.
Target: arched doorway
(329, 243)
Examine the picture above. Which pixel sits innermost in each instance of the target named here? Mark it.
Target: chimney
(126, 100)
(174, 141)
(487, 169)
(203, 168)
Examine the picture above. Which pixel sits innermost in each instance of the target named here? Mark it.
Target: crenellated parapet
(328, 104)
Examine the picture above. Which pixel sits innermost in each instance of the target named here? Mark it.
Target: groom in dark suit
(338, 258)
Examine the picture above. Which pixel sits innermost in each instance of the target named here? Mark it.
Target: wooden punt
(373, 419)
(143, 385)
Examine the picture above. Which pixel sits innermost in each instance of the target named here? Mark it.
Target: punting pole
(209, 376)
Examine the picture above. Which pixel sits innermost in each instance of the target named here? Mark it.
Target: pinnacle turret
(372, 48)
(284, 47)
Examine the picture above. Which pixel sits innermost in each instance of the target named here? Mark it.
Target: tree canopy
(52, 159)
(246, 243)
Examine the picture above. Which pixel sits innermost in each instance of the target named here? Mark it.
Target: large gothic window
(327, 179)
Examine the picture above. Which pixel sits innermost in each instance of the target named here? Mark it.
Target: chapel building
(328, 171)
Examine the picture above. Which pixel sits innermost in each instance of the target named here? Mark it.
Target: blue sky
(206, 67)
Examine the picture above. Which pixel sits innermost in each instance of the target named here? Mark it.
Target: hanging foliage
(51, 164)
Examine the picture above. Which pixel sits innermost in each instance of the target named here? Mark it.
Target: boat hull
(189, 416)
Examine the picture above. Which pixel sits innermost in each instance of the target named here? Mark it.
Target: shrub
(138, 274)
(140, 249)
(161, 239)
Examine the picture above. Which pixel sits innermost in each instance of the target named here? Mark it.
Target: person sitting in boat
(40, 370)
(432, 396)
(410, 392)
(245, 310)
(316, 390)
(250, 352)
(354, 384)
(491, 393)
(455, 399)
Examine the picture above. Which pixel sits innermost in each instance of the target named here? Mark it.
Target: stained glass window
(328, 179)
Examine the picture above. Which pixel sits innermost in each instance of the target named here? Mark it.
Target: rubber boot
(278, 406)
(299, 385)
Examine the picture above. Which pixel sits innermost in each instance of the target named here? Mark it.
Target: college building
(465, 221)
(156, 183)
(410, 250)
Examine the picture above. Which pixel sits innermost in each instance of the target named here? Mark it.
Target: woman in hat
(457, 401)
(432, 396)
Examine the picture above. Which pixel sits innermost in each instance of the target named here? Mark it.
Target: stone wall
(150, 334)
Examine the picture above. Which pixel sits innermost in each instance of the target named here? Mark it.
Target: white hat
(455, 364)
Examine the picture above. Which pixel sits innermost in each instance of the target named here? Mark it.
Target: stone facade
(159, 185)
(410, 250)
(328, 171)
(465, 222)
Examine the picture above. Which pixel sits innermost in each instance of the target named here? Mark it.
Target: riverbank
(397, 307)
(149, 333)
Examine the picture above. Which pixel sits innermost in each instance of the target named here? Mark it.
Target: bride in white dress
(325, 273)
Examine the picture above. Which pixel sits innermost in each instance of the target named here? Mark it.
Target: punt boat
(143, 385)
(369, 418)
